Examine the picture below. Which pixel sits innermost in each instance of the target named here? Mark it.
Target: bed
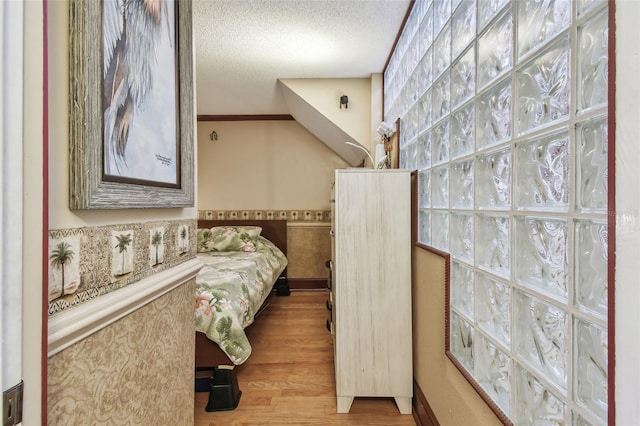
(241, 271)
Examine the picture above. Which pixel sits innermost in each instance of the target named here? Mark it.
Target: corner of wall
(315, 104)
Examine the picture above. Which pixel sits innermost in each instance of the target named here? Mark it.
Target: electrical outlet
(12, 405)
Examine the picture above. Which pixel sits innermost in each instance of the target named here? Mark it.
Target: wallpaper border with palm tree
(288, 215)
(86, 263)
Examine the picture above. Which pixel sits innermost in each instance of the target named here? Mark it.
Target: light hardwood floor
(289, 378)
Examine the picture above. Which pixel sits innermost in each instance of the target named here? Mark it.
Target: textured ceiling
(244, 46)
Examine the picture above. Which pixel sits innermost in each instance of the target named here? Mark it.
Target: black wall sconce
(344, 100)
(213, 136)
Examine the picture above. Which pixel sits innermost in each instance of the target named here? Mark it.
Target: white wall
(33, 291)
(627, 318)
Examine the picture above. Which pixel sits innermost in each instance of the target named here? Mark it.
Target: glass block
(592, 172)
(388, 109)
(389, 74)
(440, 187)
(418, 12)
(462, 289)
(424, 189)
(494, 129)
(403, 135)
(440, 230)
(493, 371)
(593, 62)
(487, 9)
(583, 6)
(418, 125)
(441, 13)
(591, 382)
(534, 403)
(423, 156)
(461, 237)
(426, 71)
(440, 143)
(542, 173)
(539, 22)
(540, 337)
(461, 341)
(492, 244)
(578, 419)
(424, 227)
(409, 128)
(441, 97)
(412, 153)
(425, 109)
(591, 244)
(412, 84)
(425, 33)
(541, 262)
(411, 56)
(463, 78)
(493, 116)
(495, 50)
(543, 88)
(403, 158)
(413, 23)
(463, 25)
(493, 306)
(442, 51)
(493, 180)
(461, 184)
(462, 126)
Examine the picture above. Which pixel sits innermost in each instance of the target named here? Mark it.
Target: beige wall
(263, 165)
(60, 216)
(110, 363)
(270, 165)
(323, 94)
(450, 396)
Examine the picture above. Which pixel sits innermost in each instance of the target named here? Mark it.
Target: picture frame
(91, 186)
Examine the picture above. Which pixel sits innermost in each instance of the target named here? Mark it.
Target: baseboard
(422, 412)
(307, 283)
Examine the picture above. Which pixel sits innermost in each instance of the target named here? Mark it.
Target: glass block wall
(503, 113)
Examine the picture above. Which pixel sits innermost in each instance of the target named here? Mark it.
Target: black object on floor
(203, 378)
(282, 286)
(224, 393)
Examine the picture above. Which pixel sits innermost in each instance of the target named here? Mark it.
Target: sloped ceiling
(321, 126)
(314, 103)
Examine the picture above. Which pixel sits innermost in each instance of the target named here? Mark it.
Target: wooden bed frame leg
(283, 287)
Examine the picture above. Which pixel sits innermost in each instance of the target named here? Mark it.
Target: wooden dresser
(371, 286)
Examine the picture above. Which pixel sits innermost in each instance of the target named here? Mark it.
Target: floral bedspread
(230, 288)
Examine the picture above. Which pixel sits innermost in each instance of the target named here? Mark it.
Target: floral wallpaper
(136, 371)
